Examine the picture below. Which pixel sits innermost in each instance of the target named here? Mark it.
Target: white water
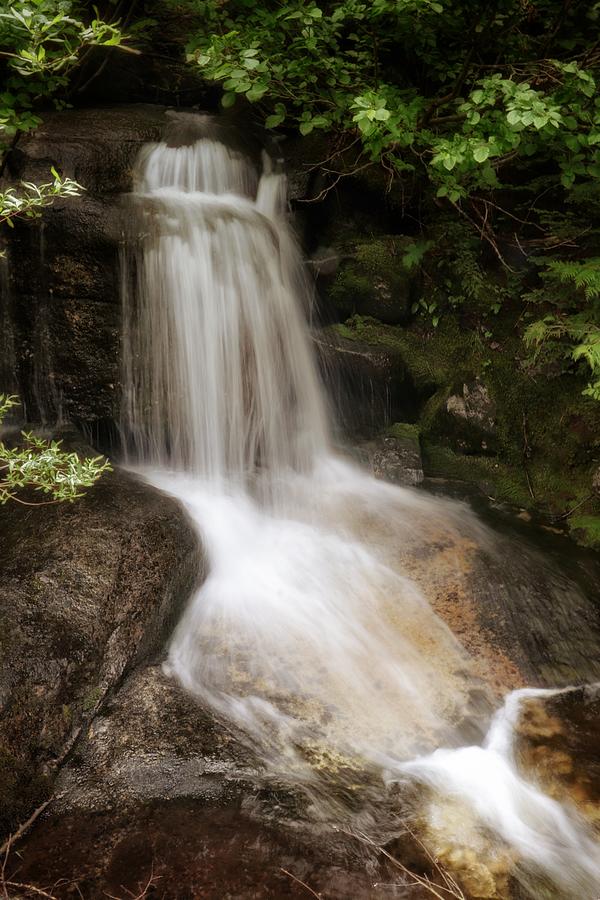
(309, 631)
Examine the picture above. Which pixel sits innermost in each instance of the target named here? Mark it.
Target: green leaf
(256, 92)
(228, 99)
(480, 154)
(274, 120)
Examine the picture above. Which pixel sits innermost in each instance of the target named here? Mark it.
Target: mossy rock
(464, 417)
(371, 280)
(368, 383)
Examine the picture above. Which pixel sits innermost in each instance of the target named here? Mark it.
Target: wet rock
(369, 385)
(88, 590)
(153, 742)
(189, 849)
(371, 281)
(557, 740)
(395, 457)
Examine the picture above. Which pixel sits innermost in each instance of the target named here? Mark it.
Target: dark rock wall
(61, 291)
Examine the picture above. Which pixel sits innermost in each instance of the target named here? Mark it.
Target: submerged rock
(89, 589)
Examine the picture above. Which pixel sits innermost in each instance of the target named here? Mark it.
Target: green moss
(586, 530)
(404, 431)
(544, 424)
(433, 359)
(91, 699)
(372, 281)
(493, 477)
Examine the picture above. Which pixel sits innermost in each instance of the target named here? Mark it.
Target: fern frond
(585, 275)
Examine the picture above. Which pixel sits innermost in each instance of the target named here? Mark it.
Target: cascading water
(308, 632)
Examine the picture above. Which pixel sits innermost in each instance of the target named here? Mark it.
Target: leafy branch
(43, 466)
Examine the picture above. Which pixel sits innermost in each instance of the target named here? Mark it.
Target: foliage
(41, 41)
(43, 466)
(35, 197)
(491, 110)
(574, 288)
(444, 108)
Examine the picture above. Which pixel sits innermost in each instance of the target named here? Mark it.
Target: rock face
(62, 292)
(369, 386)
(89, 589)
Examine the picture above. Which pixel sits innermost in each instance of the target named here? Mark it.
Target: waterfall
(309, 633)
(228, 383)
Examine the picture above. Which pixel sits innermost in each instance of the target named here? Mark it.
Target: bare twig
(569, 512)
(22, 829)
(28, 887)
(304, 885)
(144, 892)
(450, 888)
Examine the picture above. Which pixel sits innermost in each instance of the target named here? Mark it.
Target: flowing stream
(310, 632)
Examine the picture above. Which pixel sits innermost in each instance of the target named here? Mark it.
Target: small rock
(395, 458)
(399, 461)
(475, 405)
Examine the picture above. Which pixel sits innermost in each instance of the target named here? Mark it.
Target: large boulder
(88, 590)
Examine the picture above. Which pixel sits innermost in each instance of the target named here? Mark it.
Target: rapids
(309, 632)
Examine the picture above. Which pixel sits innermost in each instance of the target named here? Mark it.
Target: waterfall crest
(309, 632)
